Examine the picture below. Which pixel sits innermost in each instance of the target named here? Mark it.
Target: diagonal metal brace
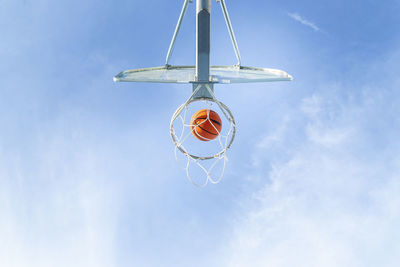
(177, 28)
(230, 29)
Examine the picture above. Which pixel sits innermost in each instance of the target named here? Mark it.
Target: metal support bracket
(203, 90)
(230, 29)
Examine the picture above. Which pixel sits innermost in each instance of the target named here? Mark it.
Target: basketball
(205, 124)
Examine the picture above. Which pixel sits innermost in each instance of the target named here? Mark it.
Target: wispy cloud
(332, 202)
(321, 207)
(303, 21)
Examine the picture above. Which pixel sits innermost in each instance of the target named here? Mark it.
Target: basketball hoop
(205, 127)
(224, 138)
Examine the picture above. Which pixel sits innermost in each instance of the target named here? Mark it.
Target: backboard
(218, 74)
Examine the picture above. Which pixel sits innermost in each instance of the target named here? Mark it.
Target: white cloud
(61, 197)
(335, 200)
(303, 21)
(324, 207)
(58, 213)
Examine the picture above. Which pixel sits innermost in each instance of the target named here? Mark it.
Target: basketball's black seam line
(198, 124)
(205, 130)
(217, 122)
(215, 128)
(199, 135)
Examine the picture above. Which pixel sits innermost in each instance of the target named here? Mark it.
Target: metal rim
(224, 109)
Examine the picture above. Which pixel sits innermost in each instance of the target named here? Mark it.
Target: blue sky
(87, 171)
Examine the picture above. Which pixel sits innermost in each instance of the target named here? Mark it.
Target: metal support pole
(203, 29)
(230, 29)
(178, 26)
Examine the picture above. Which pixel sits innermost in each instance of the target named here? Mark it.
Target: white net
(208, 155)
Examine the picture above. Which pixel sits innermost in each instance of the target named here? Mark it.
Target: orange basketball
(205, 124)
